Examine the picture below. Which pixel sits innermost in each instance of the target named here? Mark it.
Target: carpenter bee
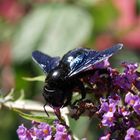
(65, 74)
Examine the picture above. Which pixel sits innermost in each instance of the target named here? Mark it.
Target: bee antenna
(46, 110)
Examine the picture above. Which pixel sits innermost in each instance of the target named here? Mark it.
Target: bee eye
(49, 90)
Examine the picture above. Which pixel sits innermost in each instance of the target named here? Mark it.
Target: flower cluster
(119, 101)
(116, 100)
(43, 131)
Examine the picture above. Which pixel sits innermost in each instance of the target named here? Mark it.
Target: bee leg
(68, 100)
(83, 91)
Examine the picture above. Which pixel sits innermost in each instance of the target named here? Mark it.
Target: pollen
(132, 102)
(110, 109)
(45, 131)
(123, 109)
(110, 119)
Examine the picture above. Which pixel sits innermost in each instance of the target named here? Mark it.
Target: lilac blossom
(134, 101)
(137, 107)
(43, 131)
(126, 79)
(131, 99)
(106, 137)
(130, 68)
(132, 134)
(23, 133)
(108, 119)
(119, 108)
(108, 107)
(61, 133)
(62, 136)
(123, 111)
(104, 64)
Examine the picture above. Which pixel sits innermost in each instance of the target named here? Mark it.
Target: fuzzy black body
(59, 86)
(64, 75)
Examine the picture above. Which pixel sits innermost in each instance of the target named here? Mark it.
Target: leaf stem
(27, 105)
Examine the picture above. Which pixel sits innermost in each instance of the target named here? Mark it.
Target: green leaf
(37, 118)
(22, 95)
(104, 13)
(38, 78)
(53, 29)
(138, 7)
(6, 30)
(76, 124)
(87, 2)
(138, 69)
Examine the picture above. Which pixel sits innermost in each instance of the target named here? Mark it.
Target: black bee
(64, 75)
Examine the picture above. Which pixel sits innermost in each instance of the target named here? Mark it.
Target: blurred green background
(55, 27)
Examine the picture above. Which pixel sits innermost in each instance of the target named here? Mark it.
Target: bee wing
(91, 58)
(46, 62)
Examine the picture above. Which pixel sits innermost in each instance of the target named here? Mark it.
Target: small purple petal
(62, 136)
(60, 128)
(131, 99)
(130, 67)
(137, 107)
(132, 134)
(104, 107)
(104, 64)
(108, 119)
(44, 130)
(106, 137)
(23, 133)
(122, 82)
(122, 111)
(115, 99)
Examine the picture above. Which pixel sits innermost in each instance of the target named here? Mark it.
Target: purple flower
(43, 130)
(23, 133)
(108, 107)
(62, 136)
(131, 99)
(61, 133)
(104, 107)
(104, 64)
(137, 107)
(130, 68)
(132, 134)
(38, 131)
(130, 71)
(126, 79)
(108, 119)
(114, 99)
(122, 82)
(106, 137)
(123, 111)
(60, 128)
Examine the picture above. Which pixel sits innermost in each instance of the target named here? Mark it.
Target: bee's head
(55, 78)
(54, 97)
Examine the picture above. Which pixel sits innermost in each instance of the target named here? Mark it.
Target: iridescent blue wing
(46, 62)
(75, 57)
(90, 58)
